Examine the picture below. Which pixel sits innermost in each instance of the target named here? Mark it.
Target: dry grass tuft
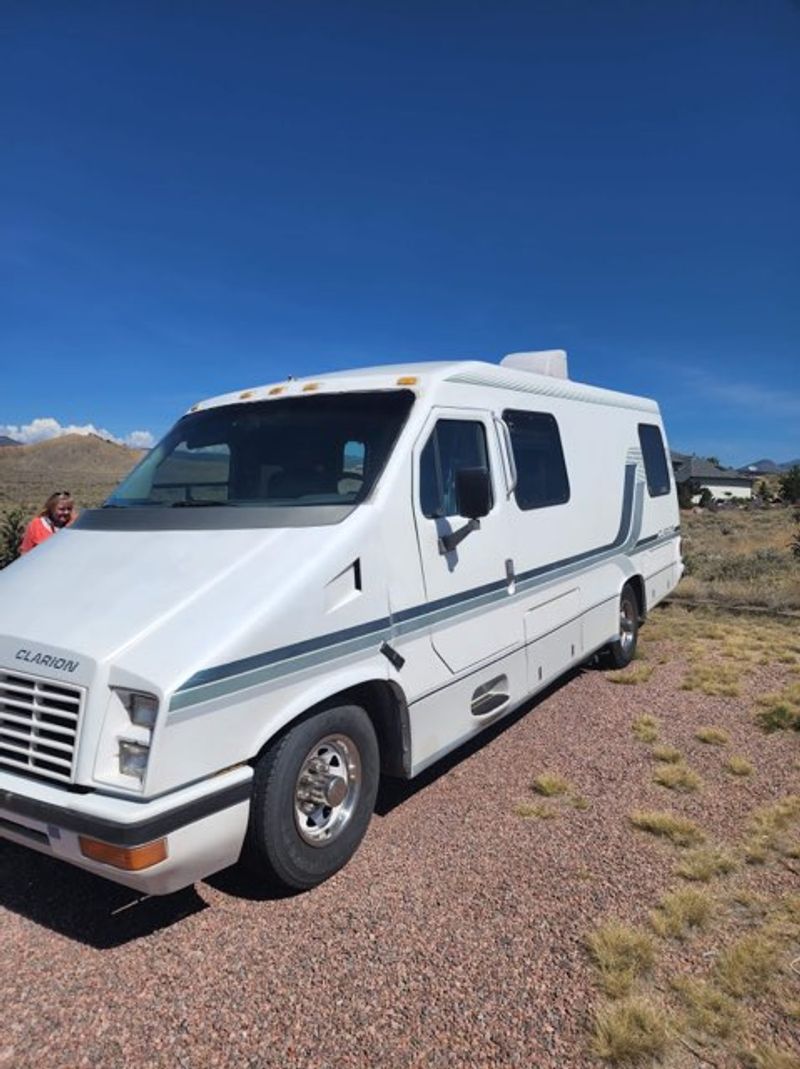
(645, 728)
(781, 711)
(577, 801)
(668, 754)
(534, 811)
(628, 1032)
(712, 736)
(681, 911)
(620, 953)
(679, 830)
(770, 1057)
(738, 766)
(704, 863)
(713, 678)
(709, 1012)
(771, 829)
(677, 778)
(638, 672)
(550, 784)
(748, 967)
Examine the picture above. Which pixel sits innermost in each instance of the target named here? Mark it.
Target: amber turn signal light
(132, 858)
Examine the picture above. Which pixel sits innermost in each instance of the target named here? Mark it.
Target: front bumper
(203, 825)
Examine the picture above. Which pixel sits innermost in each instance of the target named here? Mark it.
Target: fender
(318, 690)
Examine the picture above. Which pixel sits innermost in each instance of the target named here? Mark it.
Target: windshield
(298, 451)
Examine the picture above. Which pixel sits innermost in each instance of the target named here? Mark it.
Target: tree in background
(790, 484)
(12, 528)
(763, 491)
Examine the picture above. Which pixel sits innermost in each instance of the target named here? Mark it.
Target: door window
(453, 444)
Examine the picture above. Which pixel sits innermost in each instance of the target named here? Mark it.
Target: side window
(541, 471)
(655, 459)
(453, 444)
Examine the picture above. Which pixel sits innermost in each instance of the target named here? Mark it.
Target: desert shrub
(12, 528)
(790, 484)
(760, 564)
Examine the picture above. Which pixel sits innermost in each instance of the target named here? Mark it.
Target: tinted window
(453, 444)
(655, 459)
(541, 471)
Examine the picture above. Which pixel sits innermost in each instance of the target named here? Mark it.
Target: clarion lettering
(61, 664)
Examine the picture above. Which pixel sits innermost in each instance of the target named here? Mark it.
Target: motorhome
(309, 585)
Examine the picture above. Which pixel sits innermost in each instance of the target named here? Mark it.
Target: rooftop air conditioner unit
(551, 362)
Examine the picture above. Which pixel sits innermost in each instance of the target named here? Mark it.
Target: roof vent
(544, 362)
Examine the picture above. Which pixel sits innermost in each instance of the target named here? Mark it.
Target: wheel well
(636, 583)
(385, 704)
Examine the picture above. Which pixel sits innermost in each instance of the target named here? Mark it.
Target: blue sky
(197, 197)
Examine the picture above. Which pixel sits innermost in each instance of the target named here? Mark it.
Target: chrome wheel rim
(627, 625)
(326, 790)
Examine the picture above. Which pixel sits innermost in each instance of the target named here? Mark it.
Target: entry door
(470, 613)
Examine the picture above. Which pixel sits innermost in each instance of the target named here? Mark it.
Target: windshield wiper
(197, 504)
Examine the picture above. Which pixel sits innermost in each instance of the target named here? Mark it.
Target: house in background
(694, 474)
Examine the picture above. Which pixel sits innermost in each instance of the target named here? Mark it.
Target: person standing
(58, 512)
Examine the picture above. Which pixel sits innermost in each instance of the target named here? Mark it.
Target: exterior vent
(39, 722)
(551, 362)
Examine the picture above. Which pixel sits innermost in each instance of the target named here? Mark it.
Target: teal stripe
(215, 683)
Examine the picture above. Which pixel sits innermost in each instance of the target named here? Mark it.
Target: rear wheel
(313, 794)
(621, 652)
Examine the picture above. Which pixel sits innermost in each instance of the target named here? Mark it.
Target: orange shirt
(38, 530)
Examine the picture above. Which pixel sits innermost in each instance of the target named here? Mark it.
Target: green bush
(790, 484)
(763, 564)
(12, 528)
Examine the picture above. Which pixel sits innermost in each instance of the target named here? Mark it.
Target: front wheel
(621, 652)
(313, 794)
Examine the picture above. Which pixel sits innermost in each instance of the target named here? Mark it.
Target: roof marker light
(275, 391)
(245, 395)
(310, 386)
(407, 380)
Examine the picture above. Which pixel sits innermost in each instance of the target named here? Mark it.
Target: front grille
(38, 725)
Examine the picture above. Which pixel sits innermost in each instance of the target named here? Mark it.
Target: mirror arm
(448, 542)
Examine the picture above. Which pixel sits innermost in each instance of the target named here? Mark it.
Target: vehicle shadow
(103, 915)
(81, 906)
(393, 792)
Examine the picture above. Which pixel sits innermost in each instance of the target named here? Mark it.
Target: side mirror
(473, 492)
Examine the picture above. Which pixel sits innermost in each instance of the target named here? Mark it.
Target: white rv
(310, 584)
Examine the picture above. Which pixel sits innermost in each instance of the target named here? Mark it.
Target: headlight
(142, 708)
(133, 758)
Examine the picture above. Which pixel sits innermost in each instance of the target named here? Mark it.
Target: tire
(621, 652)
(313, 794)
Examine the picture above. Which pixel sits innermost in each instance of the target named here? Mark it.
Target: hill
(5, 440)
(768, 467)
(88, 466)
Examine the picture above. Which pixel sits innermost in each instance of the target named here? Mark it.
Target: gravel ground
(454, 938)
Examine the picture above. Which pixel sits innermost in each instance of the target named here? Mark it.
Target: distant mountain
(5, 440)
(87, 466)
(768, 467)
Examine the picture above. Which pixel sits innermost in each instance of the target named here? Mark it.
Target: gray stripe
(266, 667)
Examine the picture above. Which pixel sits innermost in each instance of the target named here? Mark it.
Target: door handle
(511, 576)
